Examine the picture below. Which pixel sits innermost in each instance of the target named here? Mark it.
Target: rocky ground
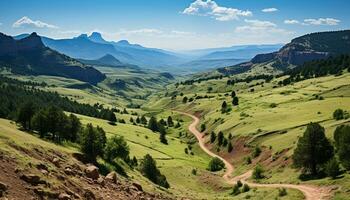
(56, 175)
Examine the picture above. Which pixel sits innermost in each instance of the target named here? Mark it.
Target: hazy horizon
(176, 25)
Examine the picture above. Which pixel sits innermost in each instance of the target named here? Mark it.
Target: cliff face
(309, 47)
(30, 56)
(314, 46)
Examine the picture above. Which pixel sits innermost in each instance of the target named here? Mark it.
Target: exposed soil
(54, 175)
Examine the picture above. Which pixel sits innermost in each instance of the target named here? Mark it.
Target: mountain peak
(96, 37)
(31, 42)
(83, 36)
(123, 42)
(109, 59)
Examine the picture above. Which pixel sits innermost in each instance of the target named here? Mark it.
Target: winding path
(310, 192)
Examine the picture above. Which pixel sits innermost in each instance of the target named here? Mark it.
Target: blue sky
(176, 24)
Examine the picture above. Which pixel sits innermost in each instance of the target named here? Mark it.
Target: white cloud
(291, 21)
(211, 8)
(257, 27)
(26, 21)
(322, 21)
(267, 10)
(148, 31)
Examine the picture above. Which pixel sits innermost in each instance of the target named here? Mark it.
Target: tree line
(318, 68)
(15, 93)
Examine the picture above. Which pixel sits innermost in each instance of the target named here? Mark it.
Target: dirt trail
(310, 192)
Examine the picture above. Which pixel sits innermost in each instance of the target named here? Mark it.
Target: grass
(277, 127)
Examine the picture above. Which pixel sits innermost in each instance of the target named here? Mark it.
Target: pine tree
(313, 149)
(229, 147)
(153, 124)
(212, 137)
(116, 147)
(170, 121)
(224, 107)
(25, 114)
(342, 143)
(233, 94)
(235, 101)
(92, 142)
(220, 138)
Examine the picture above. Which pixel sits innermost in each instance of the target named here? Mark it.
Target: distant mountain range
(306, 48)
(92, 47)
(29, 56)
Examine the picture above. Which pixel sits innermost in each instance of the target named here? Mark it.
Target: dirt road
(310, 192)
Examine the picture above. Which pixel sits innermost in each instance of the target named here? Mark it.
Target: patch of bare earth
(56, 175)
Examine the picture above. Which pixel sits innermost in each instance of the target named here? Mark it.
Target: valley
(87, 118)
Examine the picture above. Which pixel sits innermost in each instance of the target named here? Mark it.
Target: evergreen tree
(153, 124)
(111, 117)
(162, 138)
(138, 120)
(338, 114)
(332, 168)
(224, 107)
(212, 137)
(313, 149)
(75, 127)
(92, 142)
(25, 114)
(235, 101)
(203, 127)
(39, 122)
(170, 121)
(220, 138)
(148, 168)
(216, 164)
(342, 143)
(258, 172)
(185, 99)
(233, 94)
(116, 147)
(229, 147)
(143, 120)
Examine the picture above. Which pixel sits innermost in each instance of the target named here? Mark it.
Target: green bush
(216, 164)
(148, 168)
(116, 147)
(338, 114)
(342, 143)
(245, 188)
(258, 172)
(256, 152)
(282, 192)
(235, 190)
(332, 168)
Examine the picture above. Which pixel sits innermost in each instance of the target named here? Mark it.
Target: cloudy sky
(176, 24)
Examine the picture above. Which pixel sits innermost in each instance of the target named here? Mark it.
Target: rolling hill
(30, 56)
(306, 48)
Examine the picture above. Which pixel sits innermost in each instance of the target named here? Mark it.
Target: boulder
(137, 186)
(101, 181)
(56, 162)
(64, 196)
(69, 171)
(92, 172)
(42, 166)
(88, 195)
(3, 188)
(31, 178)
(112, 177)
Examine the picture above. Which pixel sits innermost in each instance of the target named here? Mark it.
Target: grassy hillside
(268, 115)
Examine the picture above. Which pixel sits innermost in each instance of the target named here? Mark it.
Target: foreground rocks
(92, 172)
(54, 175)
